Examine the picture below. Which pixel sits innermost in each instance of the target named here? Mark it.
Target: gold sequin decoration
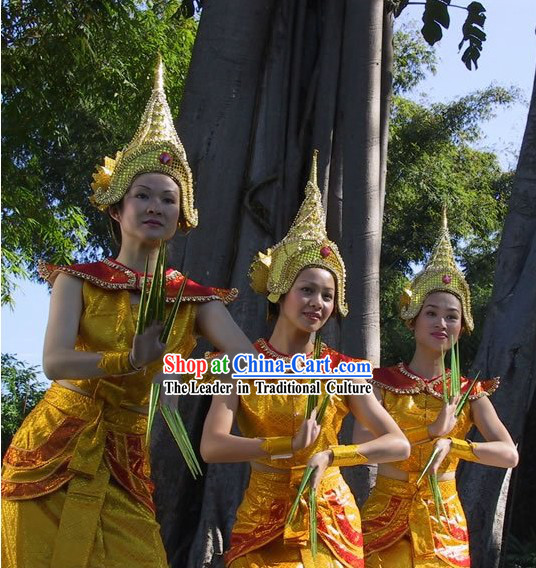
(155, 148)
(306, 245)
(440, 275)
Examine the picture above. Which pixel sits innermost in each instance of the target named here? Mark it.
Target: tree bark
(270, 80)
(508, 350)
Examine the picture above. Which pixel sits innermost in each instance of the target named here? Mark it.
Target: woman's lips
(440, 335)
(312, 316)
(153, 222)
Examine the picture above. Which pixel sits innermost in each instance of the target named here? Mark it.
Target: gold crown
(440, 275)
(155, 148)
(305, 245)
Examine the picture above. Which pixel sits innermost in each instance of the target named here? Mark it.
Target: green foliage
(473, 33)
(412, 60)
(436, 17)
(76, 77)
(431, 162)
(21, 391)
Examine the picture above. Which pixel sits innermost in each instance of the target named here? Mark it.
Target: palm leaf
(180, 435)
(428, 464)
(305, 479)
(153, 403)
(313, 535)
(168, 326)
(140, 324)
(465, 397)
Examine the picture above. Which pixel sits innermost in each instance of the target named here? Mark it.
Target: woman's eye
(430, 313)
(328, 297)
(141, 195)
(169, 200)
(306, 289)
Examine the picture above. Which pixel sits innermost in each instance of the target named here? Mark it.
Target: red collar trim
(399, 379)
(112, 275)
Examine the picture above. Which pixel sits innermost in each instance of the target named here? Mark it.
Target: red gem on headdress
(165, 158)
(325, 252)
(447, 279)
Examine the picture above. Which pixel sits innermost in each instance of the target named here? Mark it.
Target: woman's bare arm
(499, 449)
(60, 359)
(217, 326)
(360, 434)
(218, 445)
(389, 443)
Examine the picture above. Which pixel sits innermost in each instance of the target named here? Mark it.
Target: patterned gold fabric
(259, 532)
(398, 509)
(127, 533)
(415, 403)
(400, 525)
(82, 440)
(418, 410)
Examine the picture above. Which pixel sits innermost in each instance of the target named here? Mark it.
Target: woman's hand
(320, 461)
(147, 346)
(445, 421)
(307, 434)
(444, 448)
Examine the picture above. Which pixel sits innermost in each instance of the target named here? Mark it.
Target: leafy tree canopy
(76, 77)
(21, 391)
(431, 162)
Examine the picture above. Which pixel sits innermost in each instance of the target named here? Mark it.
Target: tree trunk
(508, 350)
(269, 82)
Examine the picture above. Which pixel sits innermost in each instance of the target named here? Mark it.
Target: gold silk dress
(76, 487)
(400, 524)
(259, 537)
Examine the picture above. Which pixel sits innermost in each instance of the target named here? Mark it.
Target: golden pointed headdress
(305, 245)
(155, 148)
(439, 275)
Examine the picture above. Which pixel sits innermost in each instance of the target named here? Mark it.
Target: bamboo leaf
(168, 326)
(140, 324)
(312, 399)
(187, 444)
(466, 395)
(177, 429)
(313, 535)
(452, 366)
(317, 349)
(153, 403)
(305, 479)
(444, 375)
(428, 464)
(154, 293)
(162, 283)
(438, 499)
(322, 409)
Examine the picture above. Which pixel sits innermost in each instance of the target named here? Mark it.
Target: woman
(76, 487)
(400, 523)
(304, 274)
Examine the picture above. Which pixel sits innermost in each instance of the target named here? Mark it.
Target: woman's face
(310, 301)
(439, 319)
(150, 208)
